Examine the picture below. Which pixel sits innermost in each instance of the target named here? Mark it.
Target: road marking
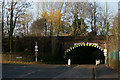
(29, 73)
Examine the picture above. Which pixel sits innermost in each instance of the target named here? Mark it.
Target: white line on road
(22, 76)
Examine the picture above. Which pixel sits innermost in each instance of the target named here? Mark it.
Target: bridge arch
(92, 45)
(85, 54)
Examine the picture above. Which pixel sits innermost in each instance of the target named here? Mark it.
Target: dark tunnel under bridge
(85, 54)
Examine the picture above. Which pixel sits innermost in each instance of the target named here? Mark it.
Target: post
(35, 58)
(107, 36)
(69, 62)
(36, 52)
(119, 38)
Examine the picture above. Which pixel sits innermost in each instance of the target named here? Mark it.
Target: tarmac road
(47, 71)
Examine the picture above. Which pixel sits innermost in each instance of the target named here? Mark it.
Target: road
(45, 71)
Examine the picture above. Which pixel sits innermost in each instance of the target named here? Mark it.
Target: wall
(50, 48)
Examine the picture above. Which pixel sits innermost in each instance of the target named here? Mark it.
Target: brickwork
(49, 47)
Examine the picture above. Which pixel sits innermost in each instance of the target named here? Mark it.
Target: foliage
(60, 19)
(113, 40)
(37, 27)
(12, 13)
(49, 24)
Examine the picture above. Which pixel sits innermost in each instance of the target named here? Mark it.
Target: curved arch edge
(92, 45)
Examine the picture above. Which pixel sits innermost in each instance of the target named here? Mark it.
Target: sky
(111, 5)
(72, 0)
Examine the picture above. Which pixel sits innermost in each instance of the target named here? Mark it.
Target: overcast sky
(112, 6)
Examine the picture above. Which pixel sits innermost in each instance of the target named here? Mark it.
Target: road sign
(105, 50)
(36, 46)
(36, 50)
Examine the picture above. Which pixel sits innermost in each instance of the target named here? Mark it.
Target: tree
(81, 29)
(57, 22)
(45, 17)
(48, 9)
(17, 9)
(27, 18)
(37, 27)
(56, 26)
(113, 40)
(102, 22)
(94, 16)
(79, 11)
(13, 11)
(77, 18)
(3, 2)
(51, 23)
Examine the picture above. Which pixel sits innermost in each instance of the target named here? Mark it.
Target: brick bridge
(51, 47)
(69, 41)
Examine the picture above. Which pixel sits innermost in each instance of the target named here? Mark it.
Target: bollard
(69, 62)
(97, 62)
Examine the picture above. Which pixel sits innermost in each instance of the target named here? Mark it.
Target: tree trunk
(82, 25)
(95, 29)
(11, 26)
(45, 28)
(2, 17)
(51, 30)
(27, 28)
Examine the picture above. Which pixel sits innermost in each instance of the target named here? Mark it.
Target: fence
(114, 61)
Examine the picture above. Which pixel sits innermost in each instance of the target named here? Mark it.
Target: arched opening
(85, 54)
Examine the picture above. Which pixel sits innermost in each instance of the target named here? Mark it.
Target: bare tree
(3, 2)
(113, 40)
(79, 12)
(37, 27)
(14, 10)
